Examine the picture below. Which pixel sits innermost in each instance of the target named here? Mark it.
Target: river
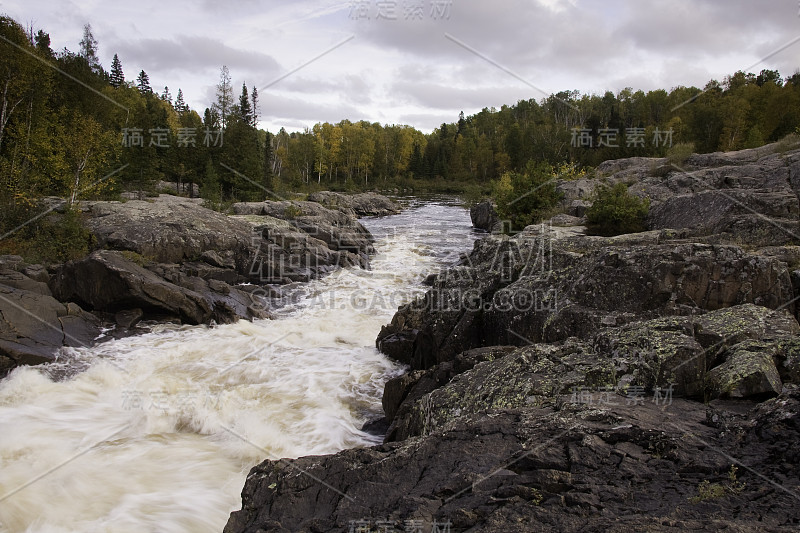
(156, 433)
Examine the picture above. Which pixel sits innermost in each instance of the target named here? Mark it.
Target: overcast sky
(420, 62)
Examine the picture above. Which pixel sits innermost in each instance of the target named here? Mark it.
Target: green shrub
(55, 238)
(711, 491)
(473, 194)
(678, 154)
(526, 198)
(789, 142)
(292, 211)
(615, 212)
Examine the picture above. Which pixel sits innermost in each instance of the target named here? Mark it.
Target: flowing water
(156, 433)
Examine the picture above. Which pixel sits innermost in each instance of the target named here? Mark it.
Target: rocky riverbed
(169, 259)
(561, 382)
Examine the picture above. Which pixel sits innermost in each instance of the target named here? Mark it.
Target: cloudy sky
(420, 62)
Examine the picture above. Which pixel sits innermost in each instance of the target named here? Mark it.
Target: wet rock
(34, 326)
(106, 281)
(128, 318)
(484, 216)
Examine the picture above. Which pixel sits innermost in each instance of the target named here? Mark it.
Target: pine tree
(143, 83)
(211, 120)
(166, 95)
(224, 96)
(180, 105)
(245, 111)
(89, 48)
(43, 43)
(117, 78)
(267, 176)
(254, 98)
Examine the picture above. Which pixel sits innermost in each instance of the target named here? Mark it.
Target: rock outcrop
(561, 382)
(545, 287)
(368, 204)
(34, 325)
(169, 229)
(626, 464)
(169, 258)
(746, 197)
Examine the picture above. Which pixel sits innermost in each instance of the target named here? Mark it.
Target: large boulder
(107, 281)
(34, 326)
(749, 371)
(484, 216)
(169, 229)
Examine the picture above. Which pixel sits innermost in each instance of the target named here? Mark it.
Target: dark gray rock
(18, 280)
(34, 326)
(484, 216)
(619, 466)
(288, 253)
(749, 371)
(129, 318)
(340, 231)
(106, 281)
(739, 345)
(543, 289)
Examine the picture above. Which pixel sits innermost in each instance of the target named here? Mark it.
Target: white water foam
(157, 432)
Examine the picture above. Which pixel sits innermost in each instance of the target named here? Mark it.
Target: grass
(678, 154)
(711, 491)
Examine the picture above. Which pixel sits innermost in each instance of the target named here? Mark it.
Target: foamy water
(156, 433)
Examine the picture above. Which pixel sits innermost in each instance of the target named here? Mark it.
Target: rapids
(156, 433)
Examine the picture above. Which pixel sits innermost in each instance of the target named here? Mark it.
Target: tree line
(70, 128)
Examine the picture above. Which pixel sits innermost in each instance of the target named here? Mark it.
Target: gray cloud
(191, 54)
(407, 71)
(281, 108)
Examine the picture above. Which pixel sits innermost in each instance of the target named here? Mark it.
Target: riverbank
(560, 382)
(170, 260)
